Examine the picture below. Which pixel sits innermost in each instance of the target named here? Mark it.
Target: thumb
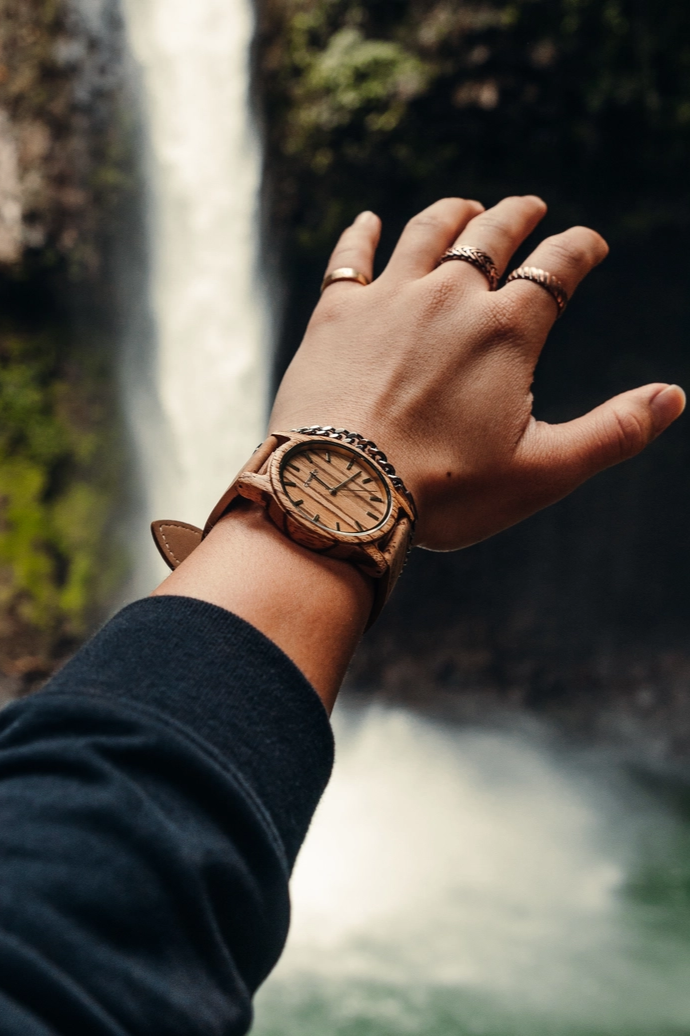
(615, 431)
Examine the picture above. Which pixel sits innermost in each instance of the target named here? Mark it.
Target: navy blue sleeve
(153, 798)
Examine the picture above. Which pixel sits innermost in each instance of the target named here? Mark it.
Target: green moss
(351, 78)
(58, 476)
(379, 104)
(60, 444)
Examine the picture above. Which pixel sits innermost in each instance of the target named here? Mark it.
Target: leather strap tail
(175, 540)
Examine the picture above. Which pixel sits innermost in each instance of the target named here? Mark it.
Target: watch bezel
(281, 456)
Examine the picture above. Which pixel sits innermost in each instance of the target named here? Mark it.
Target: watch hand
(314, 475)
(343, 484)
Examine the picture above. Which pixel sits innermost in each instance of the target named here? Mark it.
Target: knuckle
(504, 321)
(631, 432)
(437, 294)
(428, 221)
(568, 252)
(347, 250)
(441, 216)
(495, 222)
(332, 306)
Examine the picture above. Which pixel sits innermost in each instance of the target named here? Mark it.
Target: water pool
(492, 882)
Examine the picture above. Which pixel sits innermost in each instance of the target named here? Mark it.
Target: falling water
(197, 405)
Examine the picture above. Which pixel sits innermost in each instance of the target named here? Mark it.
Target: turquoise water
(463, 881)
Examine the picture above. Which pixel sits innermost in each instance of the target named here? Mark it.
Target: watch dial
(335, 487)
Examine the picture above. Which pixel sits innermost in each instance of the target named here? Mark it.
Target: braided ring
(483, 262)
(545, 280)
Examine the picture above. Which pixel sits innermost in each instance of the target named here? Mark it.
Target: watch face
(335, 487)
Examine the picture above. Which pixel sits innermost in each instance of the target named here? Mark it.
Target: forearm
(154, 797)
(315, 609)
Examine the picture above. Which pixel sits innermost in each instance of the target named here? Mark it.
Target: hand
(437, 370)
(345, 483)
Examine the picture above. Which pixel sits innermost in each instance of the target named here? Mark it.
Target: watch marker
(293, 467)
(337, 525)
(316, 518)
(328, 457)
(360, 527)
(291, 484)
(375, 516)
(372, 499)
(308, 457)
(350, 464)
(298, 503)
(365, 480)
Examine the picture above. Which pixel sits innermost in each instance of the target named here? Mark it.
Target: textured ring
(344, 273)
(483, 262)
(545, 280)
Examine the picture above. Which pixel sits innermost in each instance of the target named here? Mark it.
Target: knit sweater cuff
(221, 678)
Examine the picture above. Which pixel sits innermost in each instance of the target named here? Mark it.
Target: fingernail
(667, 405)
(365, 217)
(473, 201)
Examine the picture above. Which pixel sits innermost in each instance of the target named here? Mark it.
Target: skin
(437, 370)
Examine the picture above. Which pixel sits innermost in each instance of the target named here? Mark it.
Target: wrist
(313, 607)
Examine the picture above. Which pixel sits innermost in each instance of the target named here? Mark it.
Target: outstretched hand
(438, 370)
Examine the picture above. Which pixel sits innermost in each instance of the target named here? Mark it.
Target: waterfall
(196, 378)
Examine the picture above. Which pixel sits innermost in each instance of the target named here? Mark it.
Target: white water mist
(197, 407)
(464, 881)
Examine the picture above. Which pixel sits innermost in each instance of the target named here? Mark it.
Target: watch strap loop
(253, 466)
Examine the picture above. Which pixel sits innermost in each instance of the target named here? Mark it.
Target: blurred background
(504, 847)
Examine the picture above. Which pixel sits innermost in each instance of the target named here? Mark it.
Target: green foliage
(351, 78)
(59, 441)
(587, 101)
(57, 478)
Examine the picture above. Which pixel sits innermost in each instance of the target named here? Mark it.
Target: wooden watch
(331, 491)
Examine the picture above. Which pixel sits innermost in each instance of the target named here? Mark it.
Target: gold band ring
(483, 262)
(545, 280)
(344, 273)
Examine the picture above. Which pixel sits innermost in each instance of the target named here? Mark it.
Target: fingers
(570, 257)
(566, 455)
(428, 235)
(356, 249)
(499, 232)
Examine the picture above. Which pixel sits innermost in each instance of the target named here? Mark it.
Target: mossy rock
(59, 475)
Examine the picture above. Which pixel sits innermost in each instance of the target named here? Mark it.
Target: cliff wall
(63, 171)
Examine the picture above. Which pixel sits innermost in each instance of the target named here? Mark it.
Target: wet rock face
(11, 224)
(64, 163)
(60, 76)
